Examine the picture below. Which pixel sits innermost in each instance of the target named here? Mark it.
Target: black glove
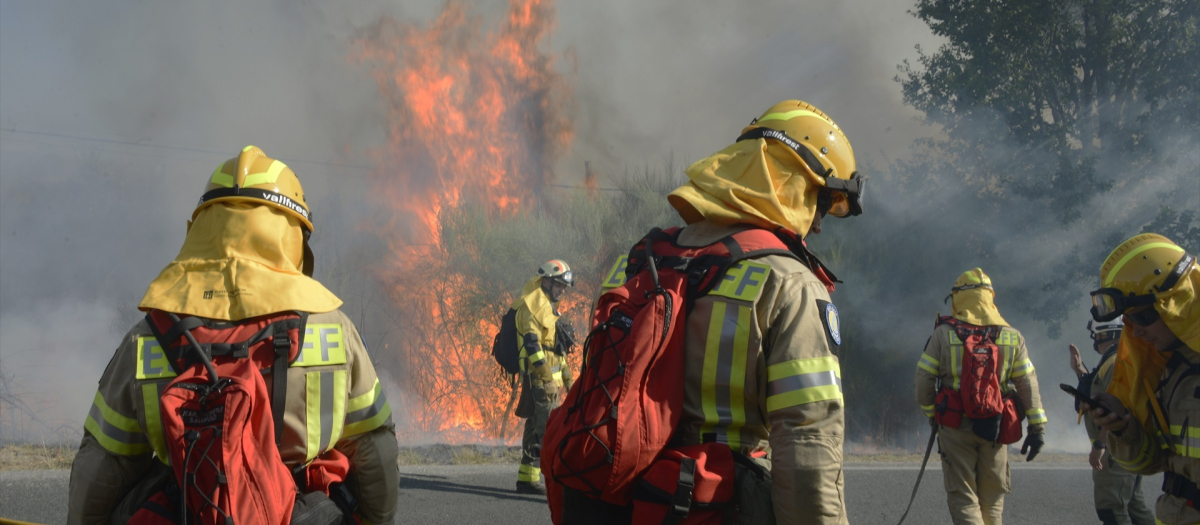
(1032, 445)
(564, 337)
(933, 424)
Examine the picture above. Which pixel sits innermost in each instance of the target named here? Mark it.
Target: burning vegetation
(476, 119)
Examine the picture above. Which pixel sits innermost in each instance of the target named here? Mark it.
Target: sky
(113, 114)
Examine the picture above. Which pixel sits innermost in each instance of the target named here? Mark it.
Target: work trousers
(976, 476)
(535, 428)
(1119, 496)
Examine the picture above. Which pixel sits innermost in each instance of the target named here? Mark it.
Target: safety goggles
(1111, 303)
(845, 196)
(1144, 317)
(1101, 337)
(966, 287)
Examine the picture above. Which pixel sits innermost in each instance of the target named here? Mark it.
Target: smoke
(114, 113)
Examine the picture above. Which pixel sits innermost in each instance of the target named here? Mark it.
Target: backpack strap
(283, 347)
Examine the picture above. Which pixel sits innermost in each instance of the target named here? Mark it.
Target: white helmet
(558, 271)
(1106, 330)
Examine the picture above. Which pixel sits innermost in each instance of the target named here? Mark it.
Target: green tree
(1061, 108)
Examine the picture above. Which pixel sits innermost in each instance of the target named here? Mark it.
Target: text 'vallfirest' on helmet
(557, 270)
(1135, 271)
(822, 148)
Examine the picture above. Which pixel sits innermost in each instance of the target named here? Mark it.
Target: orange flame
(473, 113)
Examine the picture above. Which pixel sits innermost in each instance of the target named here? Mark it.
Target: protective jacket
(762, 374)
(536, 319)
(1176, 451)
(1100, 378)
(942, 362)
(1117, 493)
(334, 401)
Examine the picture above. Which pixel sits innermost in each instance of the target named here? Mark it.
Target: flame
(473, 113)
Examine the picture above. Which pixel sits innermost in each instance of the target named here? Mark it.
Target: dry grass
(36, 457)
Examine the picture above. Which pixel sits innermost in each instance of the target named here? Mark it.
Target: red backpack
(222, 429)
(980, 396)
(617, 419)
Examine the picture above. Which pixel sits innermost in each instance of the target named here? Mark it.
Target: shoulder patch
(151, 360)
(833, 323)
(616, 276)
(743, 281)
(324, 344)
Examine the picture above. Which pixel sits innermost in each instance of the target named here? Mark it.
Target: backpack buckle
(681, 504)
(283, 345)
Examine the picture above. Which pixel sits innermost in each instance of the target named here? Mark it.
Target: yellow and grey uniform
(762, 375)
(975, 471)
(1176, 452)
(334, 401)
(543, 373)
(1117, 492)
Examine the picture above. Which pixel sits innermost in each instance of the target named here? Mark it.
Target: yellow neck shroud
(239, 261)
(1139, 366)
(750, 182)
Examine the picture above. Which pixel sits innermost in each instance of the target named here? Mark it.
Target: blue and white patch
(833, 324)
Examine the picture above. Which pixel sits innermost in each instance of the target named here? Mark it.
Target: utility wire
(171, 148)
(223, 153)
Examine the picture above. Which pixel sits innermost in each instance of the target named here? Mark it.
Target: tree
(1064, 108)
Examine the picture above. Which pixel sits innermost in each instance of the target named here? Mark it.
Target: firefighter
(1118, 493)
(545, 376)
(974, 460)
(1151, 402)
(245, 255)
(762, 372)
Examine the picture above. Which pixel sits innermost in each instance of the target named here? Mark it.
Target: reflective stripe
(1116, 269)
(1022, 368)
(1036, 416)
(956, 351)
(616, 276)
(532, 361)
(151, 392)
(737, 377)
(225, 180)
(324, 344)
(1186, 446)
(221, 178)
(529, 473)
(1140, 461)
(367, 412)
(116, 433)
(151, 362)
(325, 406)
(929, 364)
(265, 177)
(722, 388)
(802, 381)
(789, 115)
(928, 409)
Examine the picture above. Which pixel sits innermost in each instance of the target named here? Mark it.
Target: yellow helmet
(1140, 267)
(821, 147)
(253, 176)
(969, 280)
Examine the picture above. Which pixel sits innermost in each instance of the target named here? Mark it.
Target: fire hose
(928, 449)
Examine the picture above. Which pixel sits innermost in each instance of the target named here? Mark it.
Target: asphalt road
(1043, 494)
